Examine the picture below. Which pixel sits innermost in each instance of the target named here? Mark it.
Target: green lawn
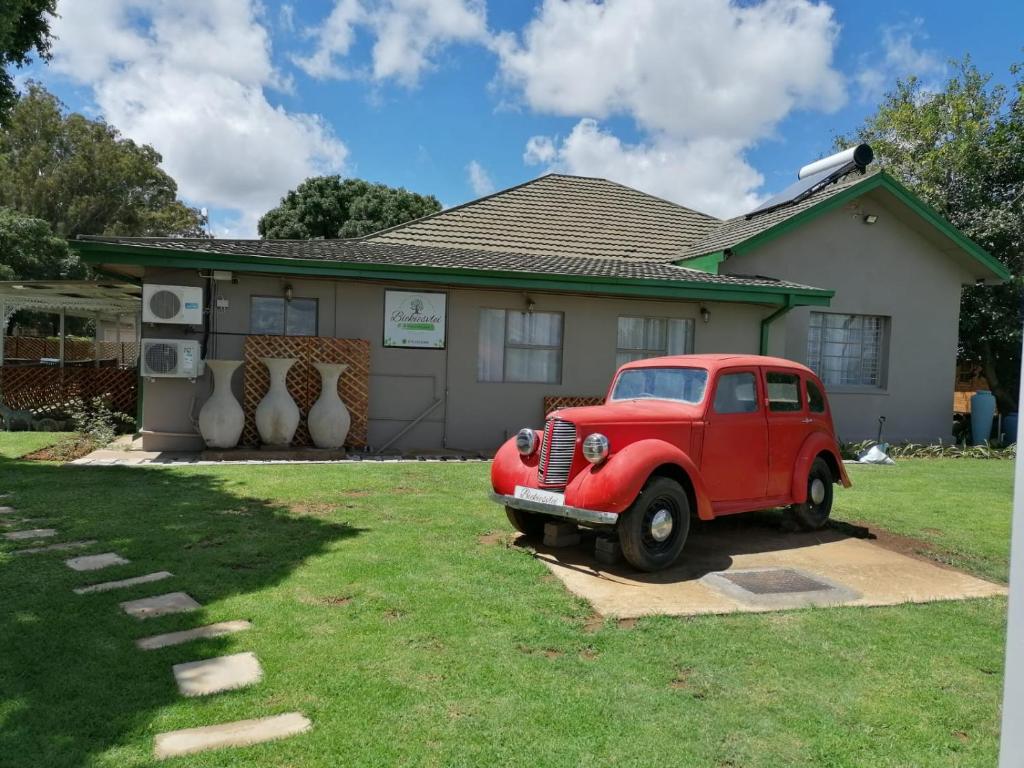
(14, 445)
(380, 615)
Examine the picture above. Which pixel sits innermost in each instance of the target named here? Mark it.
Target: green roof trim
(94, 252)
(875, 181)
(707, 263)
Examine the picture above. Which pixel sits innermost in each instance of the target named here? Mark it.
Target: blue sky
(708, 103)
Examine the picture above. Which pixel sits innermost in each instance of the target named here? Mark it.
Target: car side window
(783, 392)
(815, 398)
(736, 393)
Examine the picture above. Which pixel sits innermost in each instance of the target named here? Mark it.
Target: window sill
(852, 390)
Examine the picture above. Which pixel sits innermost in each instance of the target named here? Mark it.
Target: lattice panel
(43, 387)
(556, 402)
(32, 348)
(304, 380)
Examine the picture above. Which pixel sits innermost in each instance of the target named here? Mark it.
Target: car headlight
(595, 448)
(527, 441)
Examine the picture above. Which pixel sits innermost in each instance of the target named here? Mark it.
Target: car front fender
(814, 445)
(510, 468)
(612, 485)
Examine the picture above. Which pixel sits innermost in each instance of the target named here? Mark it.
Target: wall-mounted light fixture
(530, 304)
(705, 314)
(869, 218)
(288, 293)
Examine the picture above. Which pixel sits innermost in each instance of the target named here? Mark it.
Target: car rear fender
(613, 485)
(814, 445)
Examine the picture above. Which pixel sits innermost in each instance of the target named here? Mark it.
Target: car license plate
(536, 494)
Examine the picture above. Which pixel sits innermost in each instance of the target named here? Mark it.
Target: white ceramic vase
(329, 419)
(277, 415)
(221, 418)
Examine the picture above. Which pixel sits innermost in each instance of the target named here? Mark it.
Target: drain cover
(775, 582)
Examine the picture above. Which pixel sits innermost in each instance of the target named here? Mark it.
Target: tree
(328, 207)
(961, 149)
(82, 177)
(32, 252)
(24, 27)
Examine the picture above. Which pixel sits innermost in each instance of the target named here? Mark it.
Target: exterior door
(734, 459)
(788, 425)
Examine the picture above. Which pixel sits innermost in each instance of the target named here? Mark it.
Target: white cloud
(408, 35)
(705, 174)
(902, 55)
(479, 179)
(703, 80)
(190, 78)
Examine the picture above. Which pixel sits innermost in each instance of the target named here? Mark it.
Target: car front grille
(556, 453)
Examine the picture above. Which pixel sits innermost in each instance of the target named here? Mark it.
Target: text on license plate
(536, 494)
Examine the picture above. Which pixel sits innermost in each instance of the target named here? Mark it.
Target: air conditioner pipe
(860, 155)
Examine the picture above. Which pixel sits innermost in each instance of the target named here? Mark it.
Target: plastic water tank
(983, 408)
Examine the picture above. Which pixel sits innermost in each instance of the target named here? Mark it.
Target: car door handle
(806, 421)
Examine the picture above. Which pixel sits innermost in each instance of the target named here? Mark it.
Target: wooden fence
(304, 380)
(48, 388)
(30, 349)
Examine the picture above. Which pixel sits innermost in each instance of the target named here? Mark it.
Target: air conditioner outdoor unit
(177, 304)
(171, 358)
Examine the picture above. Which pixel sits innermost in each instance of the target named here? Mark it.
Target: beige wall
(893, 268)
(404, 382)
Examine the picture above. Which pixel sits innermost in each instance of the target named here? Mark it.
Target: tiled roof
(560, 215)
(367, 252)
(736, 230)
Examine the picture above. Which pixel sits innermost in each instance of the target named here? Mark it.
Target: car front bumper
(591, 516)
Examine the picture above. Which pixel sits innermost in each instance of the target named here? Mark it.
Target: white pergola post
(120, 349)
(63, 317)
(96, 341)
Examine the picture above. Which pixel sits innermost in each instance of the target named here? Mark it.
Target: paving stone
(106, 586)
(240, 733)
(32, 533)
(160, 605)
(7, 510)
(61, 547)
(95, 562)
(223, 673)
(177, 638)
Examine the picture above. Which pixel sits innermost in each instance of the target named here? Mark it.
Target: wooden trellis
(34, 348)
(304, 380)
(46, 387)
(555, 402)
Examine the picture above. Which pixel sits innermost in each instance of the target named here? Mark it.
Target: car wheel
(528, 523)
(654, 529)
(814, 512)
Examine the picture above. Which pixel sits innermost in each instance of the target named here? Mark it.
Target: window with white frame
(520, 346)
(275, 315)
(643, 337)
(846, 350)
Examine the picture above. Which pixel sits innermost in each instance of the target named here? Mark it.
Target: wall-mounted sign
(414, 319)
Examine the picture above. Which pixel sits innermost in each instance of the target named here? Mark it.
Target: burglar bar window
(643, 337)
(520, 346)
(846, 350)
(274, 316)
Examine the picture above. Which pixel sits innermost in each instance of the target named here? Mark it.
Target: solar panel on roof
(798, 190)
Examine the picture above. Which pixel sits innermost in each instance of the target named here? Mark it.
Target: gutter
(766, 323)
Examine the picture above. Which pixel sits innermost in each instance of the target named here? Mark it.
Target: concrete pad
(32, 533)
(241, 733)
(95, 562)
(106, 586)
(223, 673)
(61, 547)
(177, 638)
(161, 605)
(857, 572)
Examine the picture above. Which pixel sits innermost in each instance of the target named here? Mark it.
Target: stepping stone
(7, 510)
(240, 733)
(95, 562)
(64, 545)
(150, 607)
(223, 673)
(32, 533)
(106, 586)
(177, 638)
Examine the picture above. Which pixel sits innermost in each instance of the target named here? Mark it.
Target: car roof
(715, 361)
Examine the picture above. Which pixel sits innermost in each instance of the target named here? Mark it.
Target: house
(540, 291)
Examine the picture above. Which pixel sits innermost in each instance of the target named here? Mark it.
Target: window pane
(625, 356)
(655, 335)
(736, 393)
(301, 317)
(631, 333)
(266, 315)
(682, 384)
(492, 345)
(680, 337)
(815, 399)
(846, 349)
(542, 329)
(783, 392)
(537, 365)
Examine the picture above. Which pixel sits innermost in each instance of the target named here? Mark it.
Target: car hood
(630, 412)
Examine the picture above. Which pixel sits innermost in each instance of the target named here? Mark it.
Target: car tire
(813, 513)
(529, 524)
(653, 530)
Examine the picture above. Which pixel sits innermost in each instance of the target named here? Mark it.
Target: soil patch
(64, 451)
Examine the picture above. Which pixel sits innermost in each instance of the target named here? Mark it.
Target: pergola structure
(97, 301)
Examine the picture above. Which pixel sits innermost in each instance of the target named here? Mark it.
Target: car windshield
(684, 385)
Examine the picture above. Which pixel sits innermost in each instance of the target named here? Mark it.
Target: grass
(14, 445)
(381, 615)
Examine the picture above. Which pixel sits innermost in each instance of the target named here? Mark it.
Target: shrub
(933, 451)
(95, 420)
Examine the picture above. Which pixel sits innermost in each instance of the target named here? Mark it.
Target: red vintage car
(709, 435)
